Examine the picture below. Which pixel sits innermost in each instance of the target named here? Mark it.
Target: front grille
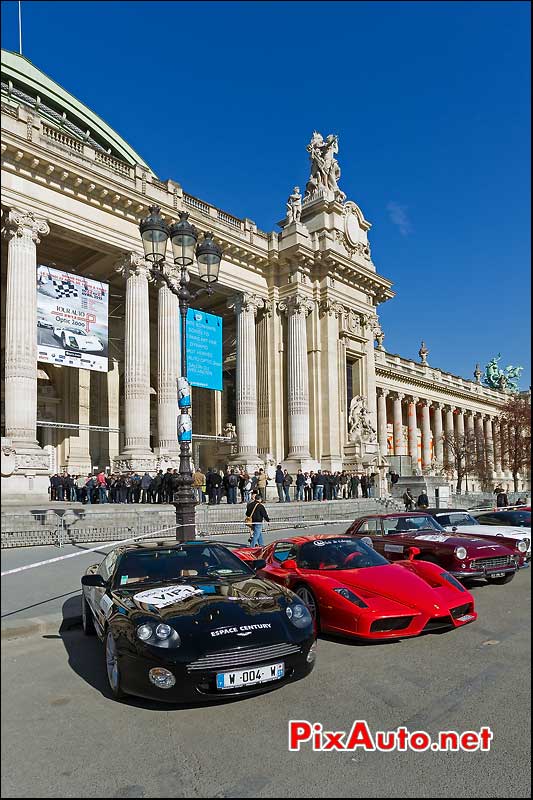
(233, 659)
(438, 622)
(390, 624)
(461, 610)
(491, 563)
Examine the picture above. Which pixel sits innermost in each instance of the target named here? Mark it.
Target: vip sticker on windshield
(106, 604)
(432, 537)
(167, 596)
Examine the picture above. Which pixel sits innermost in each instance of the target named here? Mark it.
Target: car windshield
(334, 554)
(456, 519)
(176, 563)
(414, 523)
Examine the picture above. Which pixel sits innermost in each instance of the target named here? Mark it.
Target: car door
(280, 552)
(98, 596)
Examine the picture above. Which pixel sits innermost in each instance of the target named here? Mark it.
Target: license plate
(497, 574)
(251, 676)
(465, 618)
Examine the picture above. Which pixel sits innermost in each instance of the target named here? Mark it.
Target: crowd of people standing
(130, 487)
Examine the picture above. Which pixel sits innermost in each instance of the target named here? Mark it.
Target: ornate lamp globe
(183, 237)
(154, 235)
(209, 256)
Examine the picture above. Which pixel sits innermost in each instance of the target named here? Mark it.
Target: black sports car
(189, 621)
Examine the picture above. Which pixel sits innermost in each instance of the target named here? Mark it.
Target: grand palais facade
(307, 379)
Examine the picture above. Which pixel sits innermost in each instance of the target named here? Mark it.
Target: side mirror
(92, 580)
(289, 564)
(258, 563)
(413, 552)
(367, 540)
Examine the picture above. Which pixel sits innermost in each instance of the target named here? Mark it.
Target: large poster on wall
(204, 349)
(71, 319)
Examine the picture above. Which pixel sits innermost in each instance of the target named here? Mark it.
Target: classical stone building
(307, 380)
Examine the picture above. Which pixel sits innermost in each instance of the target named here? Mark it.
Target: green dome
(23, 83)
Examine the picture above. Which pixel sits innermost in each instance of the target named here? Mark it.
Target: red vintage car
(353, 591)
(463, 555)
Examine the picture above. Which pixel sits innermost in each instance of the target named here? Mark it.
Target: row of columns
(448, 421)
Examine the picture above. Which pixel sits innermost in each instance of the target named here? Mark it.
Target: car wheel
(308, 599)
(87, 619)
(501, 581)
(113, 670)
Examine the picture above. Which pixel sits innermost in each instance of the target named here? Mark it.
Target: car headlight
(522, 546)
(160, 635)
(299, 615)
(348, 595)
(460, 553)
(454, 582)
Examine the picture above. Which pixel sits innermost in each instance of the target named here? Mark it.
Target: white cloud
(399, 217)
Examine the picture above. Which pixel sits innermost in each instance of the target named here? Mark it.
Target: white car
(78, 340)
(460, 521)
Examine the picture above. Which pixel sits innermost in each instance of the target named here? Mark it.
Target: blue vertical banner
(204, 349)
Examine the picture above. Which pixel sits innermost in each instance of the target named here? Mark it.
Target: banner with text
(204, 349)
(72, 324)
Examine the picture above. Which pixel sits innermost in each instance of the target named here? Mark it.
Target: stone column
(245, 307)
(382, 420)
(168, 322)
(412, 433)
(504, 445)
(264, 410)
(449, 442)
(297, 308)
(136, 454)
(460, 425)
(77, 409)
(437, 435)
(399, 441)
(496, 438)
(489, 445)
(22, 229)
(480, 436)
(426, 435)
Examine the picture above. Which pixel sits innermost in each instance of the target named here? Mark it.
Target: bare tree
(516, 442)
(461, 458)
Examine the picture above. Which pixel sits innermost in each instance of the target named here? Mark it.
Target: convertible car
(458, 520)
(465, 556)
(186, 622)
(353, 591)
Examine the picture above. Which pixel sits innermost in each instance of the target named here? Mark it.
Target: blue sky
(431, 102)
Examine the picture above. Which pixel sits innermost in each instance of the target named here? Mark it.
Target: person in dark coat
(256, 510)
(279, 483)
(354, 486)
(364, 485)
(146, 480)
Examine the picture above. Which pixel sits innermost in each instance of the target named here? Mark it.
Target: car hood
(491, 530)
(393, 582)
(452, 540)
(212, 614)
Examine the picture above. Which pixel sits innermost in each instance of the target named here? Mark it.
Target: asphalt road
(64, 737)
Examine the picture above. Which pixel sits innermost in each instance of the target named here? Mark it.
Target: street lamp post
(184, 237)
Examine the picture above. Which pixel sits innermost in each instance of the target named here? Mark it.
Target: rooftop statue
(294, 205)
(325, 170)
(496, 378)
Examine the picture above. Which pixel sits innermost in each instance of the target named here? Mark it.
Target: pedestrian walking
(256, 514)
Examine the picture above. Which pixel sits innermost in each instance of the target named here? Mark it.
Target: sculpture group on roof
(496, 378)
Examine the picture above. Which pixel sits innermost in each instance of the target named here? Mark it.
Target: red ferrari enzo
(352, 590)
